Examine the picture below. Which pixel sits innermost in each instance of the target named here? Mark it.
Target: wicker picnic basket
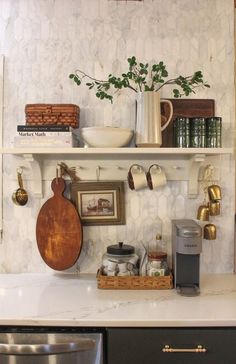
(134, 282)
(52, 114)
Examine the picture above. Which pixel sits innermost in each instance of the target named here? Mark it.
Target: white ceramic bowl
(106, 136)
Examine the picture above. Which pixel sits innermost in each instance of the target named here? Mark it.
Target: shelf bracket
(195, 163)
(36, 174)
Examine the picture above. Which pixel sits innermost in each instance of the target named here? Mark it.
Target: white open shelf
(114, 163)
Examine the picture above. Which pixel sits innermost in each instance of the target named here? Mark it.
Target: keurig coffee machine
(186, 249)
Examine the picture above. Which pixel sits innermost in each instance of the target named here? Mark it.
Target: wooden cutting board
(59, 230)
(186, 108)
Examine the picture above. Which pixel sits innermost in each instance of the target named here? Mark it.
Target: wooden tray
(134, 282)
(186, 108)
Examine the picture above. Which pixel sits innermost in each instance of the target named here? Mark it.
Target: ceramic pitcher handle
(170, 116)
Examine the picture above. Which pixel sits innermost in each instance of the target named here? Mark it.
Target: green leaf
(164, 73)
(154, 68)
(147, 88)
(176, 92)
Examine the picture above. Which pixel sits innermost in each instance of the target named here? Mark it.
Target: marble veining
(59, 299)
(44, 41)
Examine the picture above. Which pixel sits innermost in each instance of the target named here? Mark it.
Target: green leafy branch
(140, 77)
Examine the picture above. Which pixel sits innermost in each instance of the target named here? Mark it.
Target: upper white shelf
(129, 152)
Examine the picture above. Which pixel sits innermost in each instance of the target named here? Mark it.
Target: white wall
(45, 40)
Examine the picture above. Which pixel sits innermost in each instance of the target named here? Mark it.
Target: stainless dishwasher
(51, 346)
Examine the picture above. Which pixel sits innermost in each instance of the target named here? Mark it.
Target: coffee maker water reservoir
(186, 249)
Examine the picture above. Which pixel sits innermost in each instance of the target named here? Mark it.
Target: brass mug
(209, 232)
(214, 192)
(214, 208)
(203, 213)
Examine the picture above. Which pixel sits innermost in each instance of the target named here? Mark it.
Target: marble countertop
(69, 300)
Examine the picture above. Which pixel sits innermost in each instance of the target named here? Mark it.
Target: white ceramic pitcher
(148, 119)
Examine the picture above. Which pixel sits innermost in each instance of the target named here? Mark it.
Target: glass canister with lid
(121, 260)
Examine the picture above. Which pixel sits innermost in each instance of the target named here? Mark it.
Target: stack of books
(53, 136)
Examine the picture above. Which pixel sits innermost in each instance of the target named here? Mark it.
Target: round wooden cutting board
(59, 230)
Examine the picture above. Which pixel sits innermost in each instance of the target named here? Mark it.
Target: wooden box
(52, 114)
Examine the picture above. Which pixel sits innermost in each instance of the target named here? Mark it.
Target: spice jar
(120, 259)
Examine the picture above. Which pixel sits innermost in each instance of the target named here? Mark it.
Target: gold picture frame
(99, 203)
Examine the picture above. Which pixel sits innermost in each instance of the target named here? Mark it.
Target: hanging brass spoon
(20, 196)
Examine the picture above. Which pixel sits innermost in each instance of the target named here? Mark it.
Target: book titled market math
(44, 133)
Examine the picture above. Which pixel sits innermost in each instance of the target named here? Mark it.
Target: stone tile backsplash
(43, 41)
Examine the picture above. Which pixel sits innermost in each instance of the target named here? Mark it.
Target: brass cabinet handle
(198, 349)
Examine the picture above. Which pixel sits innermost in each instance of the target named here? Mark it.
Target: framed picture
(99, 203)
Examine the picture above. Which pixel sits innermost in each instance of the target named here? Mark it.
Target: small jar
(157, 258)
(158, 266)
(121, 260)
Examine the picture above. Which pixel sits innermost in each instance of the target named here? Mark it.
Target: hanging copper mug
(209, 232)
(214, 193)
(214, 208)
(203, 213)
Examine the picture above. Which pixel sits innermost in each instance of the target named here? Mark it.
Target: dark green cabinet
(145, 345)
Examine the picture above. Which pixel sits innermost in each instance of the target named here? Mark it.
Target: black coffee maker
(186, 249)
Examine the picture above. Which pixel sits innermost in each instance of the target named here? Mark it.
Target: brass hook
(98, 168)
(19, 170)
(57, 173)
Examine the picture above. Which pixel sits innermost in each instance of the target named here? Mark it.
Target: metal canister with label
(197, 132)
(214, 132)
(181, 132)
